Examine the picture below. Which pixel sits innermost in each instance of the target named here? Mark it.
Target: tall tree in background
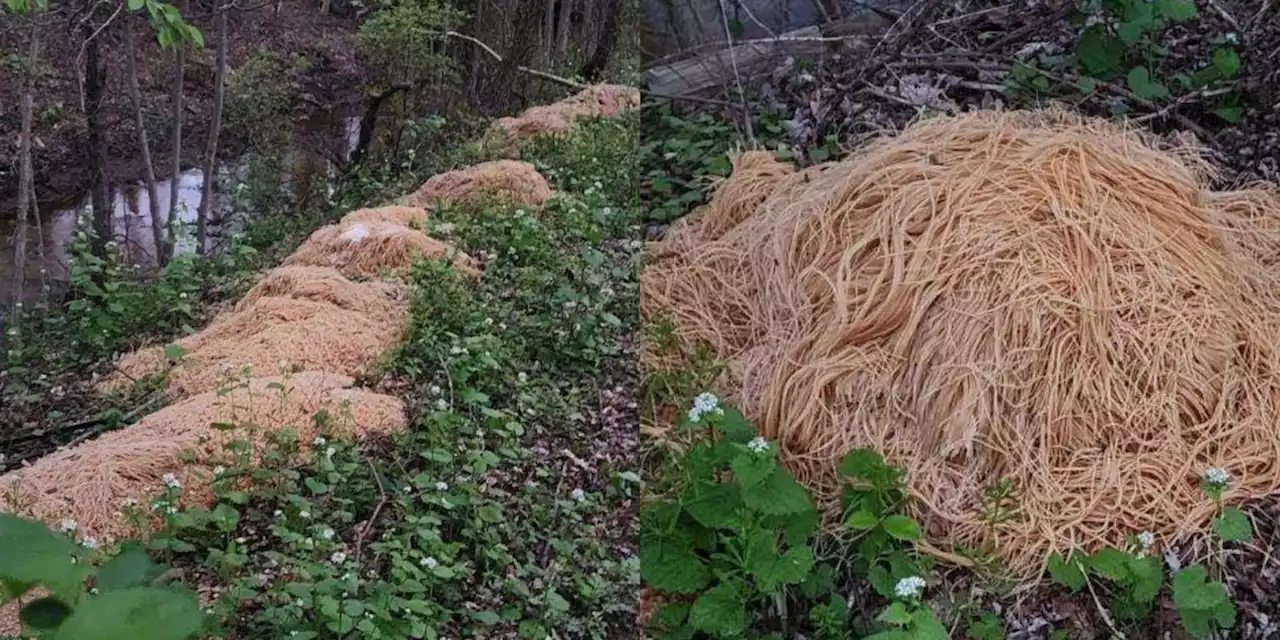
(94, 85)
(215, 126)
(140, 123)
(179, 76)
(25, 203)
(608, 41)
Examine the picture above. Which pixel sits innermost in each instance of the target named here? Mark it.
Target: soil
(332, 81)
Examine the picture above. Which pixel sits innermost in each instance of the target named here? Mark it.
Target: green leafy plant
(735, 537)
(873, 498)
(91, 596)
(1134, 577)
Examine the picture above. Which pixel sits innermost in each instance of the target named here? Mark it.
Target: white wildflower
(279, 513)
(1217, 475)
(455, 350)
(304, 515)
(1172, 560)
(428, 562)
(338, 557)
(68, 525)
(319, 441)
(326, 533)
(90, 543)
(910, 587)
(579, 495)
(758, 445)
(1146, 539)
(435, 391)
(171, 481)
(442, 486)
(703, 404)
(219, 470)
(442, 404)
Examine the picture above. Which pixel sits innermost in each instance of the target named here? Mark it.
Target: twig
(1106, 617)
(363, 532)
(1190, 98)
(733, 60)
(1027, 29)
(522, 69)
(85, 44)
(1225, 16)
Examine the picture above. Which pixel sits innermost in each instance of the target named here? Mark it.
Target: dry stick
(684, 53)
(737, 77)
(578, 85)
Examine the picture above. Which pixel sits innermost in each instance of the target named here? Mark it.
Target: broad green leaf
(799, 527)
(174, 351)
(1111, 564)
(791, 567)
(1146, 576)
(1098, 52)
(734, 427)
(720, 612)
(779, 494)
(862, 463)
(1144, 86)
(44, 614)
(1066, 572)
(671, 615)
(32, 554)
(1230, 114)
(1226, 62)
(760, 550)
(556, 602)
(1233, 526)
(129, 568)
(713, 505)
(902, 527)
(1191, 590)
(135, 5)
(671, 567)
(926, 626)
(143, 613)
(719, 166)
(1087, 85)
(195, 36)
(751, 469)
(1176, 10)
(895, 614)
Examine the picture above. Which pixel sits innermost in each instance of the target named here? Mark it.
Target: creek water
(131, 212)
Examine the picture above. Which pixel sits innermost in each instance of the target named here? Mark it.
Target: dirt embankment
(328, 76)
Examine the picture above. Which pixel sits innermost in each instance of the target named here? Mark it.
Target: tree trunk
(211, 154)
(562, 41)
(93, 89)
(149, 170)
(549, 35)
(24, 166)
(594, 67)
(175, 181)
(369, 121)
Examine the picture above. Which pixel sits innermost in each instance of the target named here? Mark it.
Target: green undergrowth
(506, 510)
(730, 542)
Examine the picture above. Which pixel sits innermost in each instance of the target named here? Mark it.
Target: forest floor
(951, 57)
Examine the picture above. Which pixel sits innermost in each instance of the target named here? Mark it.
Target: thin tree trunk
(149, 170)
(549, 34)
(562, 41)
(176, 167)
(24, 167)
(93, 89)
(211, 154)
(594, 67)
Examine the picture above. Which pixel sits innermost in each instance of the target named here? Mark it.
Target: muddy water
(131, 216)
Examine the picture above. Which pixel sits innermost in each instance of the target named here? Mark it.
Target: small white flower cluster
(758, 445)
(703, 404)
(429, 562)
(910, 587)
(171, 481)
(1146, 540)
(579, 495)
(1217, 476)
